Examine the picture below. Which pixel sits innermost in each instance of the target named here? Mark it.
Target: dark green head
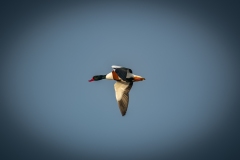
(97, 78)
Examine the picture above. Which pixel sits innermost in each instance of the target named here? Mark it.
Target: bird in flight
(124, 81)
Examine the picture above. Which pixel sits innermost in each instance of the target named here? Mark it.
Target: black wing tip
(124, 113)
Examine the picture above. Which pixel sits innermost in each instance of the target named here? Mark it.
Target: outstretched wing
(122, 90)
(122, 72)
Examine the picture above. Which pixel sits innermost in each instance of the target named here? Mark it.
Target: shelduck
(124, 81)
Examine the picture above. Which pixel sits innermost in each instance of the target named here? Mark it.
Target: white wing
(115, 66)
(122, 90)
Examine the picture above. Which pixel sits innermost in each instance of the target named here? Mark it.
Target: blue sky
(190, 80)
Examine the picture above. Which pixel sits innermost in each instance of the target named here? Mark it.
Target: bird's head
(97, 78)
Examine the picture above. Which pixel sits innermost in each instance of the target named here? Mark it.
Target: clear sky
(186, 99)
